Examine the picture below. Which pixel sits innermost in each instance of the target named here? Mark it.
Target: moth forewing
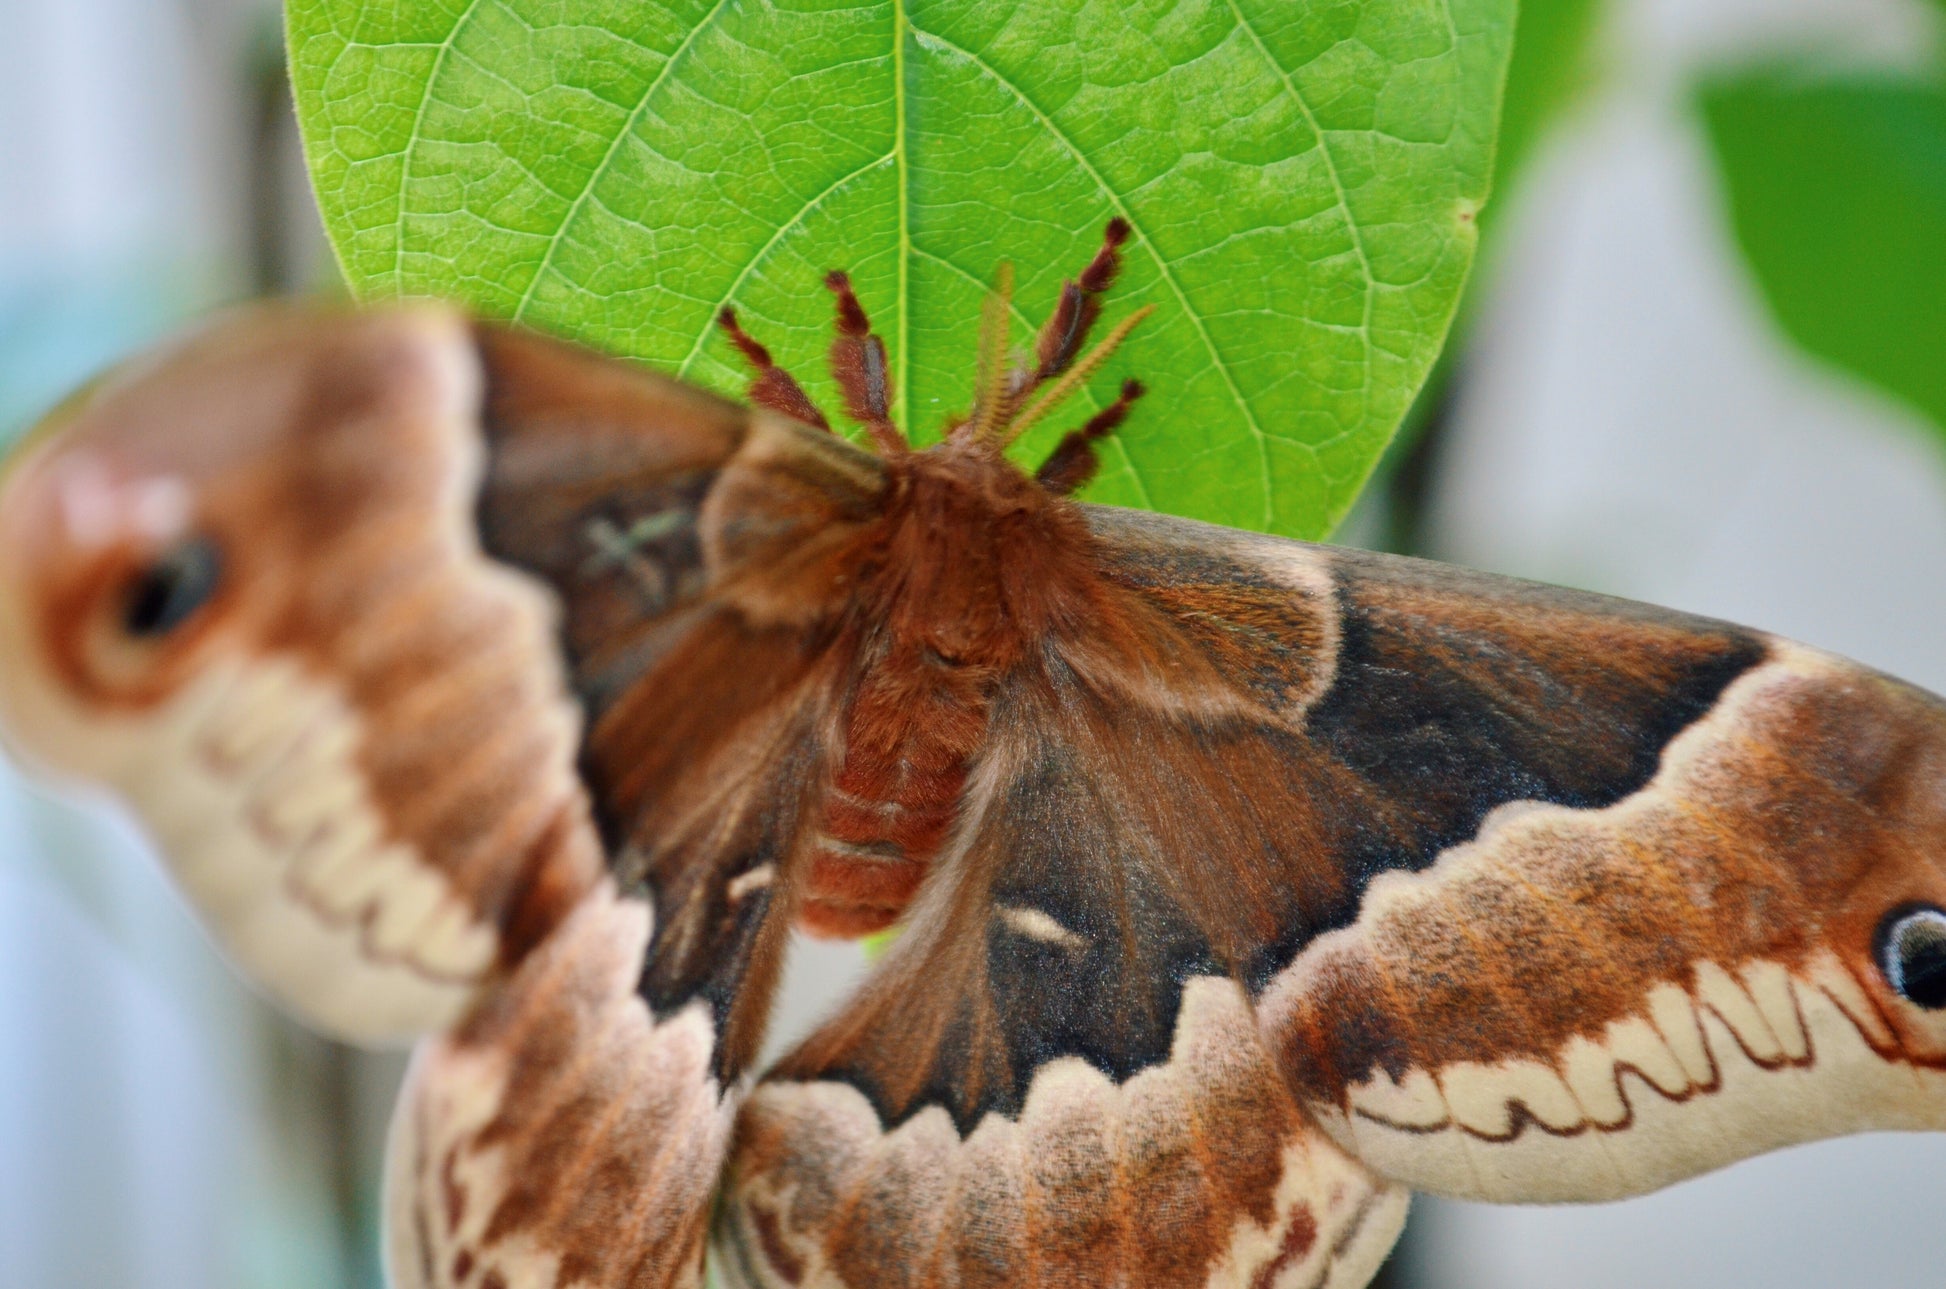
(477, 683)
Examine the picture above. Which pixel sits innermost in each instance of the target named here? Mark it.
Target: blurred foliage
(1552, 64)
(1303, 180)
(1837, 192)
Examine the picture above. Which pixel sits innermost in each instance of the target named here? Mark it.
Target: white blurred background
(1628, 418)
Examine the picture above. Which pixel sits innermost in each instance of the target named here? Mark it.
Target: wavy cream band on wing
(249, 784)
(1728, 1003)
(360, 753)
(563, 1136)
(1198, 1172)
(1624, 1113)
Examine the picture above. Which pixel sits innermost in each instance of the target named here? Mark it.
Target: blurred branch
(1836, 187)
(280, 234)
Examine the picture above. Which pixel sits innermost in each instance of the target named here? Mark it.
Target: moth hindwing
(482, 688)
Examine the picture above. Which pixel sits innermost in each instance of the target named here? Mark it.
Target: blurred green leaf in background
(1304, 183)
(1837, 191)
(1553, 64)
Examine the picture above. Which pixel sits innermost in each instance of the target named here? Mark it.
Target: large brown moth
(481, 688)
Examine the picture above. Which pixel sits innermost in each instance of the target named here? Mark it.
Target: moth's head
(173, 519)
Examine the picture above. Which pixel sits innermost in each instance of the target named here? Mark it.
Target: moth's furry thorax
(976, 561)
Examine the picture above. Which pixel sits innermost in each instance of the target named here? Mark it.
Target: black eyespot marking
(1912, 953)
(168, 592)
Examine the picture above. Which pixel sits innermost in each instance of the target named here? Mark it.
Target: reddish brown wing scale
(1537, 894)
(1117, 764)
(1242, 881)
(696, 637)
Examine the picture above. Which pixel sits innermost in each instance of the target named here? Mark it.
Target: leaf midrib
(1330, 169)
(1162, 264)
(902, 359)
(1013, 85)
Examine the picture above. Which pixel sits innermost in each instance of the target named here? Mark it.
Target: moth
(489, 692)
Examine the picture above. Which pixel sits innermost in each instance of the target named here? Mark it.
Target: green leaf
(1837, 190)
(1551, 68)
(1303, 181)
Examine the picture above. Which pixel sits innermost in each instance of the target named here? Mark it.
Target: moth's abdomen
(910, 737)
(857, 888)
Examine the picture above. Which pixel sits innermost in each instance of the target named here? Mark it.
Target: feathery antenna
(859, 366)
(1071, 465)
(1075, 377)
(993, 396)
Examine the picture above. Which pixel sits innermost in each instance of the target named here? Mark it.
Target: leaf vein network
(1163, 265)
(412, 136)
(614, 149)
(1330, 170)
(783, 230)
